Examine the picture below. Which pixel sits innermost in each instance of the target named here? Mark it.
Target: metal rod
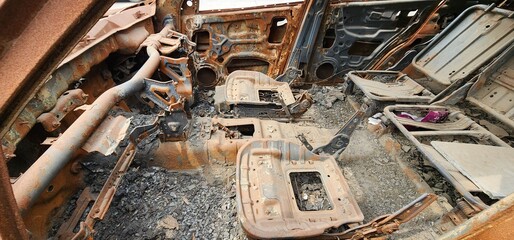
(447, 133)
(388, 111)
(33, 182)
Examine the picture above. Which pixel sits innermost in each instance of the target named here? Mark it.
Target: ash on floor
(155, 203)
(309, 191)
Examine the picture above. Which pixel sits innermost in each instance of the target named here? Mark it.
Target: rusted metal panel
(128, 37)
(49, 30)
(259, 39)
(108, 135)
(271, 198)
(218, 140)
(253, 94)
(493, 223)
(11, 226)
(390, 86)
(66, 103)
(38, 219)
(468, 43)
(494, 89)
(454, 126)
(354, 35)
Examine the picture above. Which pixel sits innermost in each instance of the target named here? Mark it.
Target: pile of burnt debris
(315, 119)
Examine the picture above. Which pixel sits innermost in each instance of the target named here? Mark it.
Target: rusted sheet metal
(493, 90)
(427, 30)
(76, 67)
(174, 94)
(272, 201)
(43, 213)
(33, 45)
(66, 230)
(493, 223)
(258, 40)
(253, 94)
(166, 8)
(390, 86)
(11, 225)
(354, 35)
(387, 224)
(184, 85)
(476, 36)
(111, 25)
(108, 135)
(218, 140)
(31, 184)
(455, 125)
(66, 103)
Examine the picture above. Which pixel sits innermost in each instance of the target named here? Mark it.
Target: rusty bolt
(75, 168)
(305, 104)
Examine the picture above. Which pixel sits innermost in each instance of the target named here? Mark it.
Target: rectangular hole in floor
(310, 194)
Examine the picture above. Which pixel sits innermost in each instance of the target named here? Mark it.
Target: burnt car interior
(290, 119)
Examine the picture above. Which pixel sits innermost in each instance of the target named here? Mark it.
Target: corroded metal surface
(75, 68)
(258, 40)
(456, 124)
(31, 184)
(390, 86)
(385, 225)
(266, 197)
(218, 140)
(108, 135)
(32, 49)
(66, 103)
(253, 94)
(492, 223)
(11, 226)
(493, 90)
(479, 34)
(354, 35)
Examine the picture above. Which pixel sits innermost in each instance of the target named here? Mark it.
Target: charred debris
(314, 119)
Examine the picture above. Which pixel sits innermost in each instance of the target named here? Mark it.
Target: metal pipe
(11, 225)
(66, 74)
(34, 181)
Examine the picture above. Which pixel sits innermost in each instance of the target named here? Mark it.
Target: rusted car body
(75, 73)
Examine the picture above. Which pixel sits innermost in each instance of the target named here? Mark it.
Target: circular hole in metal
(206, 76)
(50, 188)
(325, 71)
